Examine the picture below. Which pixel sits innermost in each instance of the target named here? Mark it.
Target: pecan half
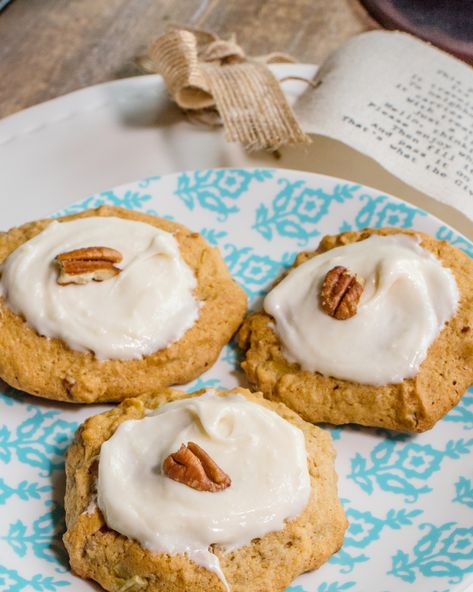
(193, 467)
(340, 293)
(87, 264)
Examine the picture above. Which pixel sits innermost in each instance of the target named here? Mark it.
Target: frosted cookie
(374, 327)
(220, 492)
(111, 303)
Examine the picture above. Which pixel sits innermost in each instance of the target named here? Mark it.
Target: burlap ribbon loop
(204, 72)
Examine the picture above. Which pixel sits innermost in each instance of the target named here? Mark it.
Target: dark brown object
(448, 24)
(193, 467)
(87, 264)
(340, 293)
(51, 47)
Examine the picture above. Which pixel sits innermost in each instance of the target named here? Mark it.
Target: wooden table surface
(51, 47)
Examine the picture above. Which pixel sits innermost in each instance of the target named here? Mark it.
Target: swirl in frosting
(264, 455)
(149, 305)
(408, 296)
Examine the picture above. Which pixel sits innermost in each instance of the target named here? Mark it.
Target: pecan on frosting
(340, 293)
(193, 467)
(87, 264)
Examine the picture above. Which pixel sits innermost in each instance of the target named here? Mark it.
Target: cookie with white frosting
(224, 492)
(374, 327)
(111, 303)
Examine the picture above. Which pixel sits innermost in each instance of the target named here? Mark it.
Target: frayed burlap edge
(204, 73)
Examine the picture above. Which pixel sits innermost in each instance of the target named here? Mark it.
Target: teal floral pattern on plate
(364, 529)
(463, 412)
(218, 190)
(464, 492)
(403, 468)
(43, 537)
(444, 551)
(25, 490)
(408, 498)
(12, 581)
(297, 209)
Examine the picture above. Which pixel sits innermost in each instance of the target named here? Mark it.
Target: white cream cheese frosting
(146, 307)
(263, 454)
(408, 296)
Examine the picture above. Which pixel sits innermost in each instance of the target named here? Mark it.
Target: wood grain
(52, 47)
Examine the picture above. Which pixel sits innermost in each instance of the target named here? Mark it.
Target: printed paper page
(403, 103)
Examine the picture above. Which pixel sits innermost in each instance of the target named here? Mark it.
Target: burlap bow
(205, 73)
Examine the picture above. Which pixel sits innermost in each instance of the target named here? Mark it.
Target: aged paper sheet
(405, 104)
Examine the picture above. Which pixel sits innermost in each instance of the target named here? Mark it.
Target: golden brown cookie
(414, 405)
(49, 368)
(268, 564)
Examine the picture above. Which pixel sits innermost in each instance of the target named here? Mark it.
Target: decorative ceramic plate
(409, 499)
